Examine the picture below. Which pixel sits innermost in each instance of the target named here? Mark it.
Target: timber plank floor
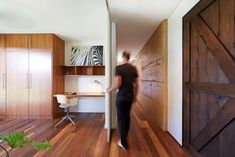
(88, 138)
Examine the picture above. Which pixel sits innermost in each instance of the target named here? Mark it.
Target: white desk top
(85, 94)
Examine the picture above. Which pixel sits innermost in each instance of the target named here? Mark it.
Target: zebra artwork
(87, 55)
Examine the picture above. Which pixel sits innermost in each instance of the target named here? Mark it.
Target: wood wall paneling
(165, 74)
(152, 67)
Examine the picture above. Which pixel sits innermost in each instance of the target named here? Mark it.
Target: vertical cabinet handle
(30, 80)
(4, 81)
(27, 80)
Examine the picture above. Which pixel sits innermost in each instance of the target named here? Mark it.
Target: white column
(114, 64)
(108, 77)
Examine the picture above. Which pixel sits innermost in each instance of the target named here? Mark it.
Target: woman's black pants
(123, 117)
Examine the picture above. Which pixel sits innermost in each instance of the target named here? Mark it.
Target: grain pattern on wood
(222, 56)
(227, 25)
(219, 89)
(221, 119)
(169, 143)
(186, 77)
(2, 42)
(88, 138)
(40, 75)
(17, 41)
(151, 63)
(41, 42)
(38, 72)
(17, 93)
(208, 87)
(57, 75)
(197, 9)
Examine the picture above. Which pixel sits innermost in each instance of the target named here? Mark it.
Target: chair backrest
(62, 99)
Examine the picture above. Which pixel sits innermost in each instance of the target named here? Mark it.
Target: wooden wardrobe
(30, 75)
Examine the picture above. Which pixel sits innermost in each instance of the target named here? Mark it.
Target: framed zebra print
(87, 55)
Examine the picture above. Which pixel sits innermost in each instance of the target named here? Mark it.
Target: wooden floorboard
(88, 138)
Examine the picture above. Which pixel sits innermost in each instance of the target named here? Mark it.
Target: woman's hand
(108, 90)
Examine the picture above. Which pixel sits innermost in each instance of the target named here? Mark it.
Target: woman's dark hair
(126, 55)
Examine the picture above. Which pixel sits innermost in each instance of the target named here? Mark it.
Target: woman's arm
(116, 85)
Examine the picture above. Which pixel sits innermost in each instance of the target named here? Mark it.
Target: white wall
(86, 84)
(108, 75)
(175, 110)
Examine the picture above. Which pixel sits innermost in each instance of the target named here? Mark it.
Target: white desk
(87, 105)
(86, 94)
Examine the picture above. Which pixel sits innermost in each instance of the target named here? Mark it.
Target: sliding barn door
(209, 79)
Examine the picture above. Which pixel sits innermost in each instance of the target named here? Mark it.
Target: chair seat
(64, 106)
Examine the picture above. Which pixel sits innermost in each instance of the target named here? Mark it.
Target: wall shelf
(83, 70)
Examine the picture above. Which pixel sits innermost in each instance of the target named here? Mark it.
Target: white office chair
(66, 103)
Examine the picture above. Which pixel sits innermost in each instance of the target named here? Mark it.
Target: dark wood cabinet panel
(17, 41)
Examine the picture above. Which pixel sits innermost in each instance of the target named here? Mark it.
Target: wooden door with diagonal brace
(209, 79)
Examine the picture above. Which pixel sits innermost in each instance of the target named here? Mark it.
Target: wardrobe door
(2, 83)
(17, 84)
(40, 65)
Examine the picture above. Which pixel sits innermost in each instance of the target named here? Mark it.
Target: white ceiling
(73, 20)
(137, 19)
(86, 20)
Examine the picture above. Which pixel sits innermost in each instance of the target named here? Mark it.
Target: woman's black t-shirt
(128, 74)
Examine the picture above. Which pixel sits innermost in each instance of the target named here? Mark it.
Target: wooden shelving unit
(83, 70)
(68, 70)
